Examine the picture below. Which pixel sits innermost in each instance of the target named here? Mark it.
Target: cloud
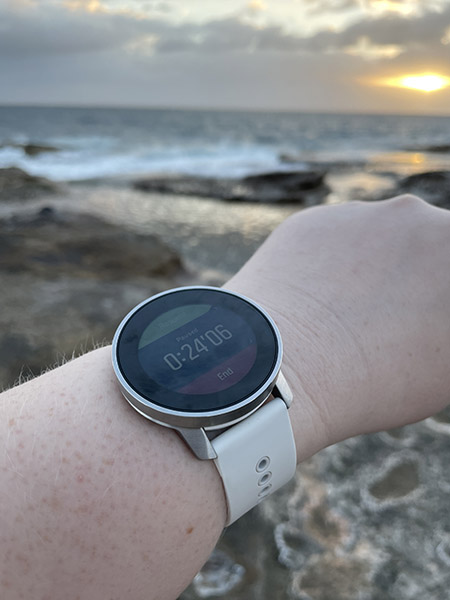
(87, 5)
(326, 6)
(49, 53)
(227, 35)
(387, 30)
(58, 30)
(232, 35)
(49, 28)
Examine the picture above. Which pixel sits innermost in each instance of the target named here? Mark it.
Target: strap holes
(265, 478)
(265, 491)
(262, 464)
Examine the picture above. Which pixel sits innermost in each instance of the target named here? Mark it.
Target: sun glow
(425, 82)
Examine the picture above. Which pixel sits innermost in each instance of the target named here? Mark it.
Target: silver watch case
(193, 426)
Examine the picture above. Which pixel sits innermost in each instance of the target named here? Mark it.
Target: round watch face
(196, 350)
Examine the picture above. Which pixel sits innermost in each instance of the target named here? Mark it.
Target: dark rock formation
(53, 243)
(322, 165)
(365, 519)
(31, 149)
(16, 184)
(66, 282)
(35, 149)
(302, 187)
(432, 186)
(434, 149)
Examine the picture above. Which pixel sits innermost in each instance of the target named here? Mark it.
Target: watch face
(197, 350)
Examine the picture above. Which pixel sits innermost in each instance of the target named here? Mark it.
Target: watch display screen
(197, 349)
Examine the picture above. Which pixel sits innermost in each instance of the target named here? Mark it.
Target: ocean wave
(91, 163)
(104, 143)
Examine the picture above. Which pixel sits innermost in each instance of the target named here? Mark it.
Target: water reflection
(210, 234)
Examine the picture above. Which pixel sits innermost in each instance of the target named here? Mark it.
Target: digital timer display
(197, 349)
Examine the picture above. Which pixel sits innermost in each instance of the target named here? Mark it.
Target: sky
(357, 56)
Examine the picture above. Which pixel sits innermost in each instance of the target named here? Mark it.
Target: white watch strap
(255, 457)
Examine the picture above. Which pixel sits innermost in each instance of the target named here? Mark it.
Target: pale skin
(98, 503)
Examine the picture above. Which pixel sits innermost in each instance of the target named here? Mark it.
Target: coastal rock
(289, 158)
(16, 184)
(322, 165)
(433, 148)
(35, 149)
(302, 187)
(364, 519)
(43, 322)
(432, 186)
(54, 243)
(31, 149)
(67, 281)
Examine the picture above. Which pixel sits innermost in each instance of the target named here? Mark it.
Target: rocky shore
(366, 519)
(55, 261)
(17, 185)
(282, 187)
(67, 280)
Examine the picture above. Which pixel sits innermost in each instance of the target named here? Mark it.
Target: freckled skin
(93, 509)
(98, 503)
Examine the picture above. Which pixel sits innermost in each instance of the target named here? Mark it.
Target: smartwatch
(206, 362)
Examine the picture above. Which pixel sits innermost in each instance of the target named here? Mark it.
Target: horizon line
(218, 109)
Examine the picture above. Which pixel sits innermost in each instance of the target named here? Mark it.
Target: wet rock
(53, 243)
(433, 148)
(67, 281)
(432, 186)
(35, 149)
(443, 416)
(322, 165)
(296, 180)
(443, 549)
(31, 149)
(331, 577)
(290, 158)
(302, 187)
(326, 527)
(16, 184)
(295, 547)
(440, 423)
(335, 540)
(397, 482)
(219, 576)
(400, 436)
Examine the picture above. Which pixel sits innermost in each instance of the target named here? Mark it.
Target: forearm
(360, 293)
(98, 502)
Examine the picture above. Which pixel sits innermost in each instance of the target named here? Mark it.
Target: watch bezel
(213, 419)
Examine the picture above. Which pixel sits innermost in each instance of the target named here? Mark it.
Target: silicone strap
(255, 457)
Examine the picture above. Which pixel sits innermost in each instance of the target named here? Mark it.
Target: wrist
(322, 364)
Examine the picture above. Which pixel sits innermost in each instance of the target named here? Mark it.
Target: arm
(101, 503)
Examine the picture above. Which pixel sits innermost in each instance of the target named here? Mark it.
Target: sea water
(359, 153)
(109, 142)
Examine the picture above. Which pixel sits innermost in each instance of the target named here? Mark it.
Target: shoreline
(211, 238)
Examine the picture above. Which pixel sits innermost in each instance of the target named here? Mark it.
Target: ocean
(109, 142)
(101, 150)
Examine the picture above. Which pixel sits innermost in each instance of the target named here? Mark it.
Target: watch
(206, 362)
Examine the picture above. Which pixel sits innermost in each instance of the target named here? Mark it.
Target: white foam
(97, 159)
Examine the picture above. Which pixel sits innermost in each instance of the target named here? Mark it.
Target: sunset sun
(425, 82)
